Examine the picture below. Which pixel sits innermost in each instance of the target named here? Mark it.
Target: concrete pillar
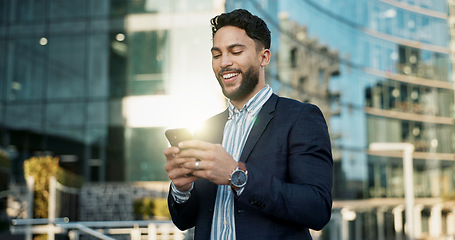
(344, 229)
(73, 234)
(408, 173)
(336, 230)
(451, 223)
(418, 220)
(152, 232)
(358, 228)
(380, 223)
(346, 216)
(52, 207)
(135, 234)
(435, 223)
(30, 196)
(398, 221)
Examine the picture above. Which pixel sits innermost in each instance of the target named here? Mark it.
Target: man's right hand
(180, 176)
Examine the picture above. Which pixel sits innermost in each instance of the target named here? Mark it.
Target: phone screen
(176, 135)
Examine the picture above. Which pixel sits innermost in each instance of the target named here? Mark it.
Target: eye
(237, 52)
(216, 55)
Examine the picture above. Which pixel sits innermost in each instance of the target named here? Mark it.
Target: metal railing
(137, 230)
(55, 224)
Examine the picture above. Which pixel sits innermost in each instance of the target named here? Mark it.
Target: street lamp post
(408, 171)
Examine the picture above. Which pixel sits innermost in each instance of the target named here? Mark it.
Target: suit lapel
(216, 130)
(263, 119)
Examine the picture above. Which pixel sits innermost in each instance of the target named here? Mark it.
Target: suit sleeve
(184, 214)
(301, 195)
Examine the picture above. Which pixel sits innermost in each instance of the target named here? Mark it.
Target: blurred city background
(87, 88)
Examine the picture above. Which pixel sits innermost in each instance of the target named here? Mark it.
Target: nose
(226, 61)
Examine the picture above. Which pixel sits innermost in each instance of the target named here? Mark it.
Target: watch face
(239, 178)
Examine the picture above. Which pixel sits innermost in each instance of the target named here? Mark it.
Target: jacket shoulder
(293, 105)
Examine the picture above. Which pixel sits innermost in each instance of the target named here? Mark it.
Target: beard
(250, 80)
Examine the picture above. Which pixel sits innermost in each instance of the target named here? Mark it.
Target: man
(263, 168)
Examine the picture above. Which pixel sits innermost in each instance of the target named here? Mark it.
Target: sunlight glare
(170, 111)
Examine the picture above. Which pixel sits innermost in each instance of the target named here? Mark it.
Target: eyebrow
(230, 47)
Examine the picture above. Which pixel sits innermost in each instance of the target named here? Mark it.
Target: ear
(265, 57)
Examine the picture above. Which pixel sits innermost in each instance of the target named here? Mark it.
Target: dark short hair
(254, 26)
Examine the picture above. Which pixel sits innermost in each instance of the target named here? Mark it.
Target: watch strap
(242, 166)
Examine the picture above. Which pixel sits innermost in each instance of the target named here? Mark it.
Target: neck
(239, 103)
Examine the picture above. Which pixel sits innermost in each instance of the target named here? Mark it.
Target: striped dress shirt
(236, 133)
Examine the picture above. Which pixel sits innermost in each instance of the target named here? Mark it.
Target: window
(321, 77)
(293, 57)
(148, 55)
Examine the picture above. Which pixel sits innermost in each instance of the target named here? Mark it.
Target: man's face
(236, 63)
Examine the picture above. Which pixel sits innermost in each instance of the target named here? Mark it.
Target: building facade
(305, 67)
(96, 83)
(395, 85)
(93, 82)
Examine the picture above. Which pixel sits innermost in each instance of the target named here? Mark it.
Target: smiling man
(238, 63)
(262, 169)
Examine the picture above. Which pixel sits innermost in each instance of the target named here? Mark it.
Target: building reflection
(394, 83)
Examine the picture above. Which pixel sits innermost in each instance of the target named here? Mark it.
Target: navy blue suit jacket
(289, 162)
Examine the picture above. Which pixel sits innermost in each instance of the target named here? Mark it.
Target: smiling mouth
(230, 75)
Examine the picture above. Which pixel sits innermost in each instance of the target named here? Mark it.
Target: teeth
(230, 75)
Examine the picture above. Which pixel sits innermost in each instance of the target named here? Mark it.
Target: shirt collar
(253, 105)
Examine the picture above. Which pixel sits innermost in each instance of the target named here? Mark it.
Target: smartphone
(176, 135)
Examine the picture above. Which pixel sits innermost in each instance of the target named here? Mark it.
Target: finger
(194, 153)
(196, 144)
(180, 182)
(197, 165)
(179, 172)
(171, 152)
(177, 162)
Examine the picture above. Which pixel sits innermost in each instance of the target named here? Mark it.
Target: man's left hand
(212, 162)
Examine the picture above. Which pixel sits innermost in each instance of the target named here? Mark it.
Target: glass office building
(394, 85)
(96, 83)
